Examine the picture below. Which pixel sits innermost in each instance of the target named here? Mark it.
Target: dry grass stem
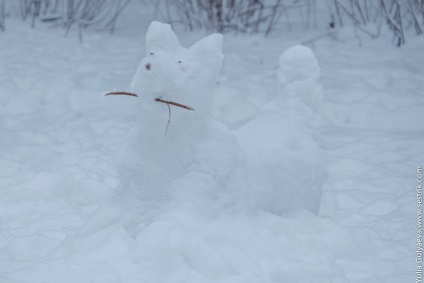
(122, 93)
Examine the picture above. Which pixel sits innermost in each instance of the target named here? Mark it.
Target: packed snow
(296, 165)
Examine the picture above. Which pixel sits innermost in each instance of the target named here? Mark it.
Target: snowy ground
(63, 218)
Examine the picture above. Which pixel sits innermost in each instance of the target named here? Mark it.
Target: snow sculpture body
(272, 163)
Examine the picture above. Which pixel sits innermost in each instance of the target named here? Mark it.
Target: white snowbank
(221, 215)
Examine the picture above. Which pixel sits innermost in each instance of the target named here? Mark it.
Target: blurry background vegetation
(367, 18)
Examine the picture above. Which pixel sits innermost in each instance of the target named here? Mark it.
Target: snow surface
(67, 216)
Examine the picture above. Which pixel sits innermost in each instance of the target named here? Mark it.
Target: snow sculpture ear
(210, 45)
(208, 51)
(160, 36)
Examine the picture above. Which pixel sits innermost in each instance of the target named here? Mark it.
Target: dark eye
(152, 53)
(179, 62)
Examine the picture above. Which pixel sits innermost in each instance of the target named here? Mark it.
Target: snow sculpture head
(173, 73)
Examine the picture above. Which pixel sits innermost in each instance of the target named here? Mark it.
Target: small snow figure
(169, 73)
(272, 163)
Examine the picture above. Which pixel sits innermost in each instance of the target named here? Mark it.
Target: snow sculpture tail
(298, 76)
(281, 142)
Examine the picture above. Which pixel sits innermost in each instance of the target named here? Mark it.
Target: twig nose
(148, 66)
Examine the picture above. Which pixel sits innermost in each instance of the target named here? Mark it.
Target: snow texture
(239, 199)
